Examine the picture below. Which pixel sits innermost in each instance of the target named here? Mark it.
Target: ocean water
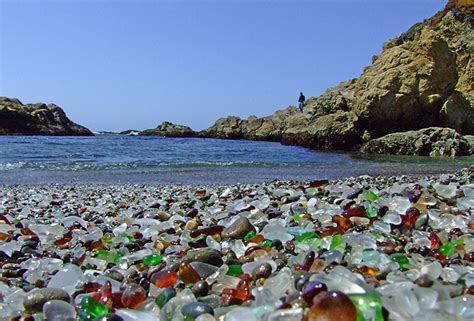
(133, 159)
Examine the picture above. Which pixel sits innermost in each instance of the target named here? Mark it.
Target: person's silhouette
(301, 101)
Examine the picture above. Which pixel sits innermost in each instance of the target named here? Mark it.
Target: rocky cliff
(36, 119)
(423, 78)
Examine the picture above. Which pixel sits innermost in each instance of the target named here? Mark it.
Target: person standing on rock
(301, 101)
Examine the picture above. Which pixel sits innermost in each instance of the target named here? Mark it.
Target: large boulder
(169, 129)
(422, 78)
(272, 127)
(333, 131)
(227, 127)
(36, 119)
(433, 141)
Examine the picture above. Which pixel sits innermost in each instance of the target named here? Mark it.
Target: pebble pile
(364, 248)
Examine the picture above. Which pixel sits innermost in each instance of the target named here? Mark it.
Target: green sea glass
(371, 210)
(266, 243)
(128, 236)
(306, 236)
(312, 190)
(449, 248)
(235, 270)
(370, 196)
(153, 259)
(336, 241)
(297, 218)
(249, 235)
(110, 256)
(401, 259)
(368, 306)
(93, 307)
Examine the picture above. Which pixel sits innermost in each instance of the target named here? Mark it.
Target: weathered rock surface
(433, 141)
(470, 139)
(36, 119)
(238, 229)
(419, 73)
(168, 129)
(333, 131)
(423, 78)
(36, 298)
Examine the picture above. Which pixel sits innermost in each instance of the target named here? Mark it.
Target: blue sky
(115, 65)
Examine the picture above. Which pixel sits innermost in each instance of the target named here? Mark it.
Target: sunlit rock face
(422, 78)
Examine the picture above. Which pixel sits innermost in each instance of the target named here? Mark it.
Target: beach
(377, 247)
(237, 160)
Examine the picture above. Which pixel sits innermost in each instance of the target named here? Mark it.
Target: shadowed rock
(36, 119)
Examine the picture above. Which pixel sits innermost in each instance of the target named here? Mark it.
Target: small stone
(312, 289)
(206, 255)
(262, 271)
(194, 309)
(66, 278)
(191, 225)
(205, 317)
(115, 275)
(200, 289)
(36, 299)
(192, 212)
(163, 216)
(238, 229)
(57, 310)
(239, 314)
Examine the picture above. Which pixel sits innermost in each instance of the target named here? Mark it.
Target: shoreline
(222, 175)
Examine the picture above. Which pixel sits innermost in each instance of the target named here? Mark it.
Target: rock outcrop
(168, 129)
(423, 78)
(36, 119)
(432, 141)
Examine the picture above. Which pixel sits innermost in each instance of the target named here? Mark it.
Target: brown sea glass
(187, 274)
(332, 306)
(164, 278)
(410, 217)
